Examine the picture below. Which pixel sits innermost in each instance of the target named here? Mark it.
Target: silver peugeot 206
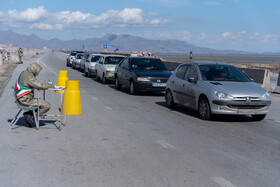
(216, 88)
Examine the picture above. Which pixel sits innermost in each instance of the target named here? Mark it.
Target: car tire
(132, 88)
(104, 81)
(169, 99)
(86, 73)
(204, 109)
(258, 117)
(117, 84)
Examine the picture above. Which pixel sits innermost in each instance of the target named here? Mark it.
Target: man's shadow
(20, 123)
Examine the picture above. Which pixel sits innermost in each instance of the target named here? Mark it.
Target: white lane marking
(107, 107)
(94, 98)
(222, 182)
(165, 145)
(41, 62)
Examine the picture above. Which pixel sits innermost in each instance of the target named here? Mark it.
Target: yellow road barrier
(73, 98)
(61, 79)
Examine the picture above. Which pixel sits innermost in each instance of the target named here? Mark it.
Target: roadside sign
(104, 44)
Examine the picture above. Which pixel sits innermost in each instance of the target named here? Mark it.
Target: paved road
(123, 140)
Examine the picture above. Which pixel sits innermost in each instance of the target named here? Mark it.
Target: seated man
(24, 90)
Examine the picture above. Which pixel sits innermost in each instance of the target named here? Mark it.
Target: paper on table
(59, 87)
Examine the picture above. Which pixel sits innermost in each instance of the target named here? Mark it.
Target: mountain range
(123, 42)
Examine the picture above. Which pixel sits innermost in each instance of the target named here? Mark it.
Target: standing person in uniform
(24, 90)
(20, 54)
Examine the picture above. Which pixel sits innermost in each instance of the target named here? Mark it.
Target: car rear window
(113, 60)
(147, 64)
(95, 58)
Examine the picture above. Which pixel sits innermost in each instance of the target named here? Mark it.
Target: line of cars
(209, 87)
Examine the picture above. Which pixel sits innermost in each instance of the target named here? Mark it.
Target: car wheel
(204, 109)
(97, 77)
(258, 117)
(132, 88)
(104, 79)
(117, 84)
(169, 99)
(86, 73)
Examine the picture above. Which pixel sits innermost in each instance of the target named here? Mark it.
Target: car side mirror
(192, 80)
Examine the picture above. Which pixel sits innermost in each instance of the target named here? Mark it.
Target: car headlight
(266, 96)
(222, 95)
(142, 79)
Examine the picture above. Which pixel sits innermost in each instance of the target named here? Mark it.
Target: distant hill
(122, 42)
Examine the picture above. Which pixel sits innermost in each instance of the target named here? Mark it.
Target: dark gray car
(216, 88)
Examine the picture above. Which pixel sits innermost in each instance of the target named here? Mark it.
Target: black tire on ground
(117, 84)
(132, 89)
(204, 109)
(104, 81)
(86, 74)
(97, 77)
(169, 99)
(258, 117)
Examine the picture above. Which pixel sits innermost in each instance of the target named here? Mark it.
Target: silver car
(216, 88)
(91, 60)
(76, 64)
(105, 68)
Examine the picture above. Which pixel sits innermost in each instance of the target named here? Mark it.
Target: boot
(29, 118)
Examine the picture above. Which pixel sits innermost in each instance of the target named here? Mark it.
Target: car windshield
(113, 60)
(95, 58)
(217, 72)
(147, 64)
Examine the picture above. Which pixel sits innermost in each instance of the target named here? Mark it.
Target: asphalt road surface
(124, 140)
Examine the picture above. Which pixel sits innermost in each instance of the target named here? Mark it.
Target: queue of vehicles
(210, 88)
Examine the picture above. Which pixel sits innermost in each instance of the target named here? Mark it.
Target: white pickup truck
(105, 68)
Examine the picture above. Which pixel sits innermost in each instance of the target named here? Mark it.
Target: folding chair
(22, 109)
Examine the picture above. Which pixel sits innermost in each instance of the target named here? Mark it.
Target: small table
(54, 117)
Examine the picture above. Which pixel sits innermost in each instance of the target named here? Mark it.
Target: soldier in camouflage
(24, 89)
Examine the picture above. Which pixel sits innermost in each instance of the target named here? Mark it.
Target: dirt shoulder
(6, 72)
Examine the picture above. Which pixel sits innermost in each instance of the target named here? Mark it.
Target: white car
(105, 68)
(76, 64)
(90, 62)
(71, 57)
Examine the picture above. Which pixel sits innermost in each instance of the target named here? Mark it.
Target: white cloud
(226, 35)
(40, 18)
(42, 26)
(266, 38)
(203, 36)
(29, 15)
(68, 17)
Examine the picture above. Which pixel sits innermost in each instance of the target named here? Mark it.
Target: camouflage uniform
(20, 54)
(28, 80)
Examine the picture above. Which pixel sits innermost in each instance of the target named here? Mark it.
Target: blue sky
(248, 25)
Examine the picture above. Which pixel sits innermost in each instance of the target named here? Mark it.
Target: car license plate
(245, 112)
(159, 84)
